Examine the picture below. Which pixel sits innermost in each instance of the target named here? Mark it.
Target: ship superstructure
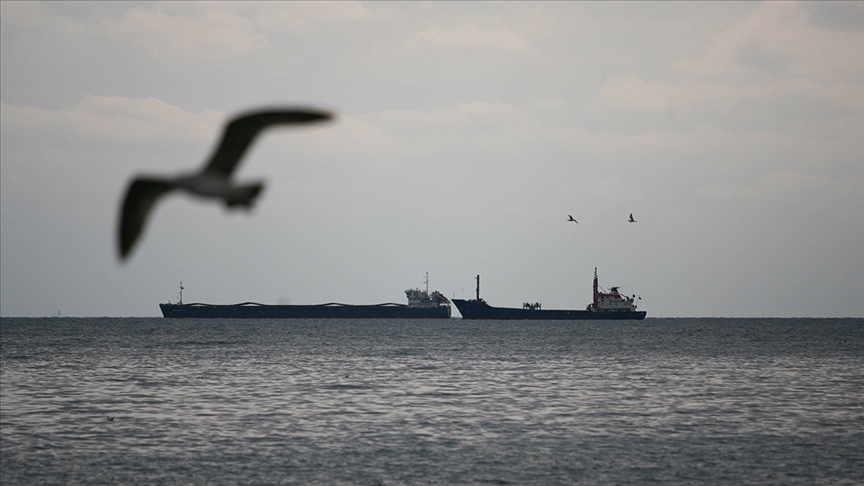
(422, 298)
(611, 301)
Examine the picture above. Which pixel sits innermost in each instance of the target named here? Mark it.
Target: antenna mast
(478, 287)
(427, 283)
(181, 292)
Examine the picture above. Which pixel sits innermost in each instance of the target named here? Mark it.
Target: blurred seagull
(571, 219)
(631, 220)
(214, 180)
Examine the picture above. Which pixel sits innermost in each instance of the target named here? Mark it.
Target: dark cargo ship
(606, 305)
(421, 305)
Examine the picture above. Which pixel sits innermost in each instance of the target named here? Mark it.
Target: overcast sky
(467, 132)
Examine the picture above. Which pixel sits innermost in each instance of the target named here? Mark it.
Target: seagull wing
(140, 198)
(242, 130)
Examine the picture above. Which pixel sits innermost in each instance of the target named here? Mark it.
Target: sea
(426, 402)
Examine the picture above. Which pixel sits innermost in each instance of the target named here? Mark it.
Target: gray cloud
(467, 131)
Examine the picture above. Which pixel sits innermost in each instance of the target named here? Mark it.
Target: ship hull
(323, 311)
(471, 309)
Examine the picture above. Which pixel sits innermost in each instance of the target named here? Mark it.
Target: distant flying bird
(214, 180)
(571, 219)
(631, 220)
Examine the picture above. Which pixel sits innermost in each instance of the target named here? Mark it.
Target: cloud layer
(466, 131)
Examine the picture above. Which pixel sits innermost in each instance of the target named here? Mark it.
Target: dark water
(672, 401)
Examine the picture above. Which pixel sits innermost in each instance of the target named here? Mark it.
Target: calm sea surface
(368, 402)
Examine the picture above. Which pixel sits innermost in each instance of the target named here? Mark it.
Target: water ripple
(724, 401)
